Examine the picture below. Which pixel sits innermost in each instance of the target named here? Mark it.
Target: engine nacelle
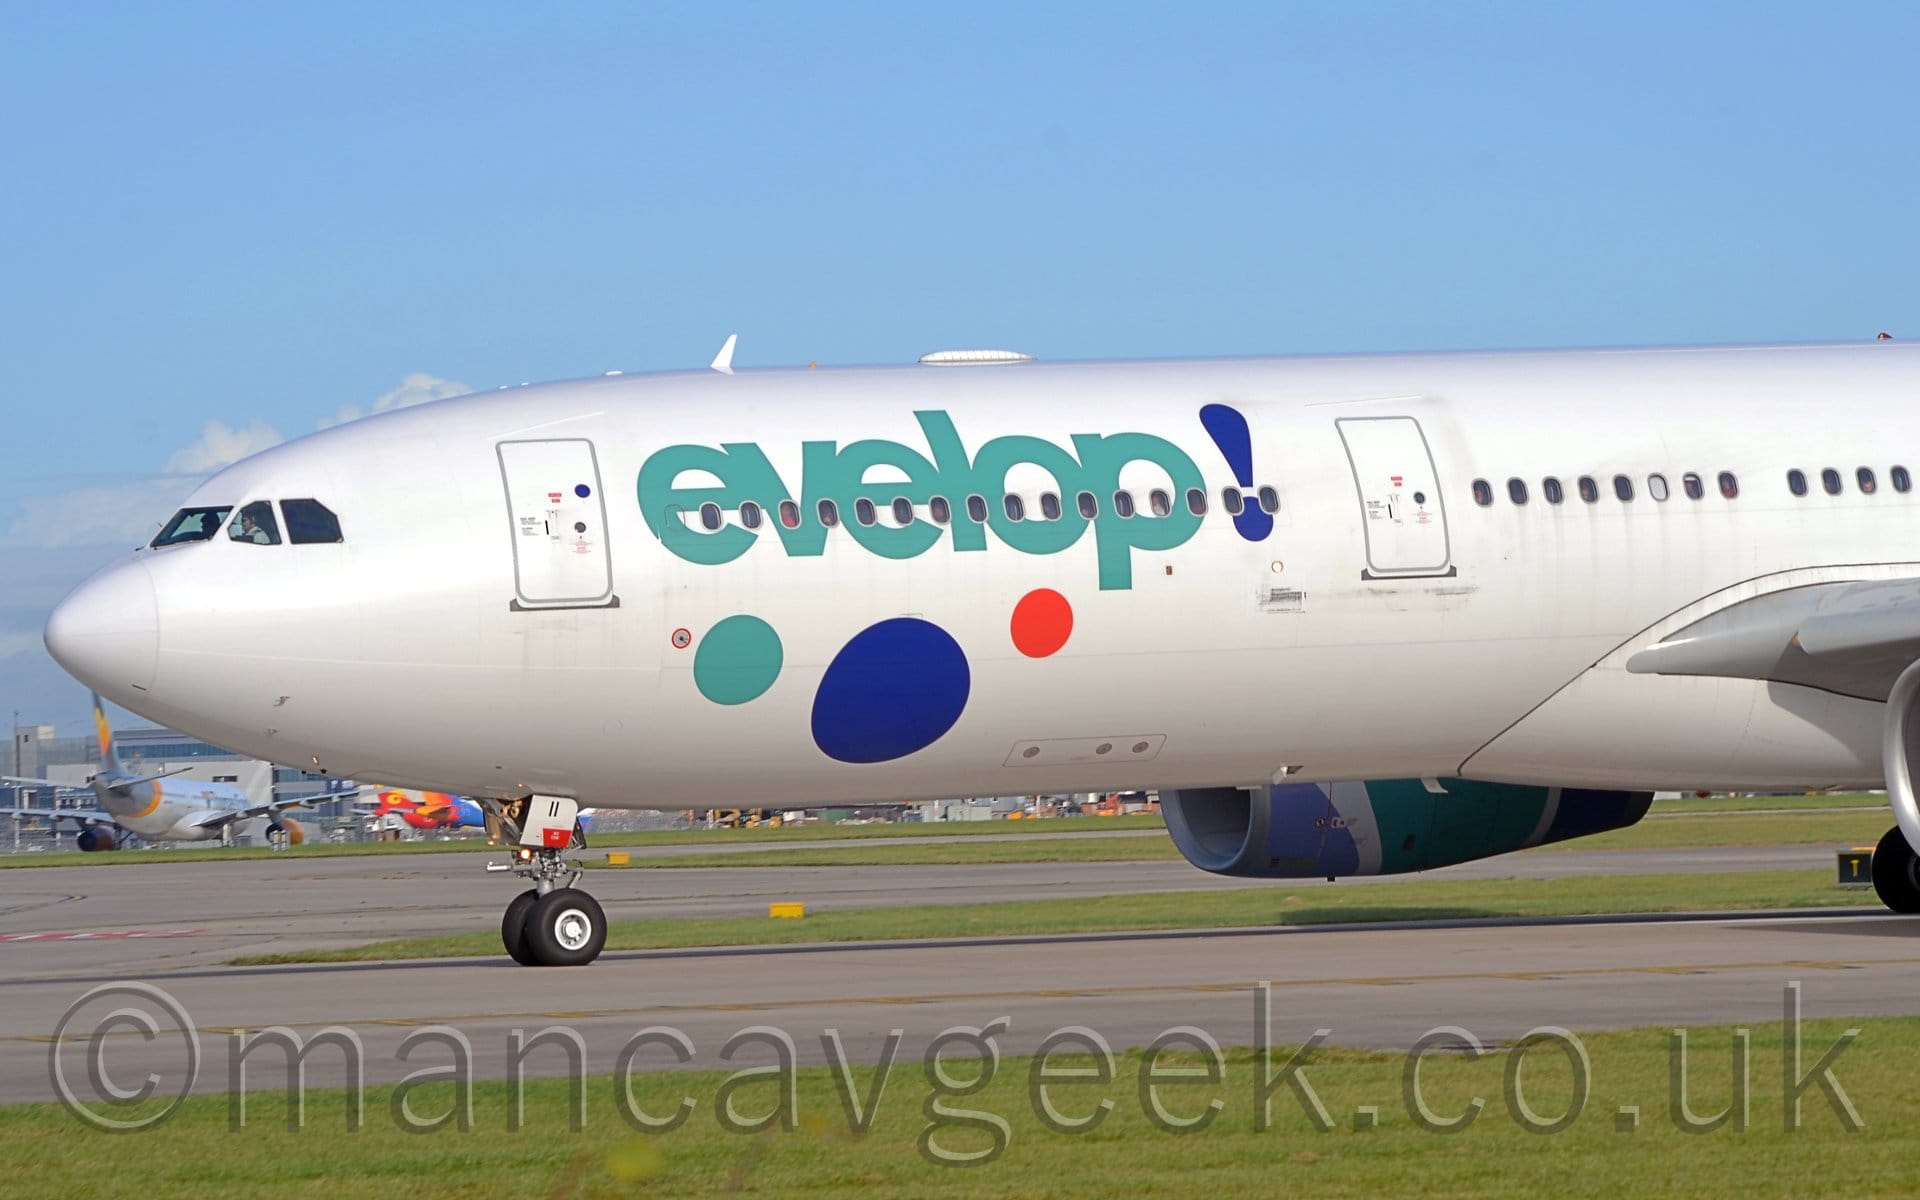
(1380, 827)
(1899, 744)
(97, 837)
(287, 830)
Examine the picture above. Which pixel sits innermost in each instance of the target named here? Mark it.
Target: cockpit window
(309, 521)
(256, 525)
(191, 525)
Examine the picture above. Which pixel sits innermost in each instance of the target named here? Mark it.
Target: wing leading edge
(1853, 639)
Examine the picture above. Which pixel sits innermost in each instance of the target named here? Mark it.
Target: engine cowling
(97, 837)
(286, 829)
(1900, 743)
(1380, 827)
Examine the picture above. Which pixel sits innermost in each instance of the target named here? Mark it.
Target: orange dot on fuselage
(1042, 622)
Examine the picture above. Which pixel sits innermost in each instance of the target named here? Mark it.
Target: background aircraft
(155, 808)
(422, 809)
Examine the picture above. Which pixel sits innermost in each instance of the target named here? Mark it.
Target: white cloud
(417, 388)
(122, 513)
(128, 512)
(126, 508)
(220, 445)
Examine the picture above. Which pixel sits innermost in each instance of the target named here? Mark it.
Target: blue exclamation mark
(1229, 431)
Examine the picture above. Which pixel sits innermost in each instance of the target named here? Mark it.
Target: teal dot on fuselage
(738, 660)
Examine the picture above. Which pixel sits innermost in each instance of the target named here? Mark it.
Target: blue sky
(270, 218)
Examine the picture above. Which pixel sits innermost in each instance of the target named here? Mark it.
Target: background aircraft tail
(109, 759)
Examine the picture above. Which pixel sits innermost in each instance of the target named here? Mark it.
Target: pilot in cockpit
(250, 531)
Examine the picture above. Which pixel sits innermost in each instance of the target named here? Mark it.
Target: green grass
(1680, 832)
(1228, 909)
(1745, 821)
(198, 1154)
(216, 853)
(1811, 801)
(958, 851)
(612, 839)
(896, 829)
(1747, 829)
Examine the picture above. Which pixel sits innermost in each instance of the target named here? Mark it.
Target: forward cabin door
(559, 524)
(1400, 506)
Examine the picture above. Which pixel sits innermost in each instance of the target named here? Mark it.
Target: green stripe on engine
(1420, 830)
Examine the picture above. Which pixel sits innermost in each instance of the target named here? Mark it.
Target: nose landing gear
(553, 923)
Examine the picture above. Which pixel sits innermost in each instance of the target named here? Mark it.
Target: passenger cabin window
(310, 522)
(829, 513)
(1589, 490)
(1050, 506)
(1517, 490)
(863, 511)
(255, 525)
(1623, 487)
(1123, 504)
(1657, 487)
(940, 510)
(902, 511)
(1196, 501)
(1089, 505)
(1830, 480)
(1797, 482)
(1160, 504)
(1864, 477)
(1231, 500)
(1901, 480)
(1693, 486)
(750, 514)
(191, 525)
(1482, 492)
(790, 514)
(1016, 507)
(709, 516)
(1551, 489)
(1269, 500)
(1729, 485)
(977, 509)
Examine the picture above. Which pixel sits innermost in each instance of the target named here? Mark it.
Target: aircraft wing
(83, 815)
(214, 820)
(25, 781)
(1850, 638)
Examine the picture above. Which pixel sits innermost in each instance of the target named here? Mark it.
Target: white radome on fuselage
(401, 654)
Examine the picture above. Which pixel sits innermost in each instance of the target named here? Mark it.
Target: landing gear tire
(1896, 873)
(513, 928)
(565, 928)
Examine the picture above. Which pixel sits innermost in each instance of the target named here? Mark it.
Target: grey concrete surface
(1377, 986)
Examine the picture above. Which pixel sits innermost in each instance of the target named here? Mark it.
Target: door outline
(520, 603)
(1444, 569)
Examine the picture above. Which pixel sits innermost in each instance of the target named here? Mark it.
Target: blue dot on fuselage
(895, 688)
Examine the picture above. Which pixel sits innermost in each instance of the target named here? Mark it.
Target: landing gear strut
(1896, 873)
(553, 923)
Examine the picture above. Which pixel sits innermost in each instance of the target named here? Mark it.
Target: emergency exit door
(559, 524)
(1400, 506)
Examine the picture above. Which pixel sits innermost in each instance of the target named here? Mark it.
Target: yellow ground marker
(618, 858)
(791, 909)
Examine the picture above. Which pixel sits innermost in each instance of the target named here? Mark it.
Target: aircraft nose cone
(106, 633)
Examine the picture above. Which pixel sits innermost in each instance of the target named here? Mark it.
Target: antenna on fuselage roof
(972, 358)
(723, 361)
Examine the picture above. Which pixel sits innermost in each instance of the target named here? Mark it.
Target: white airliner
(1516, 592)
(154, 808)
